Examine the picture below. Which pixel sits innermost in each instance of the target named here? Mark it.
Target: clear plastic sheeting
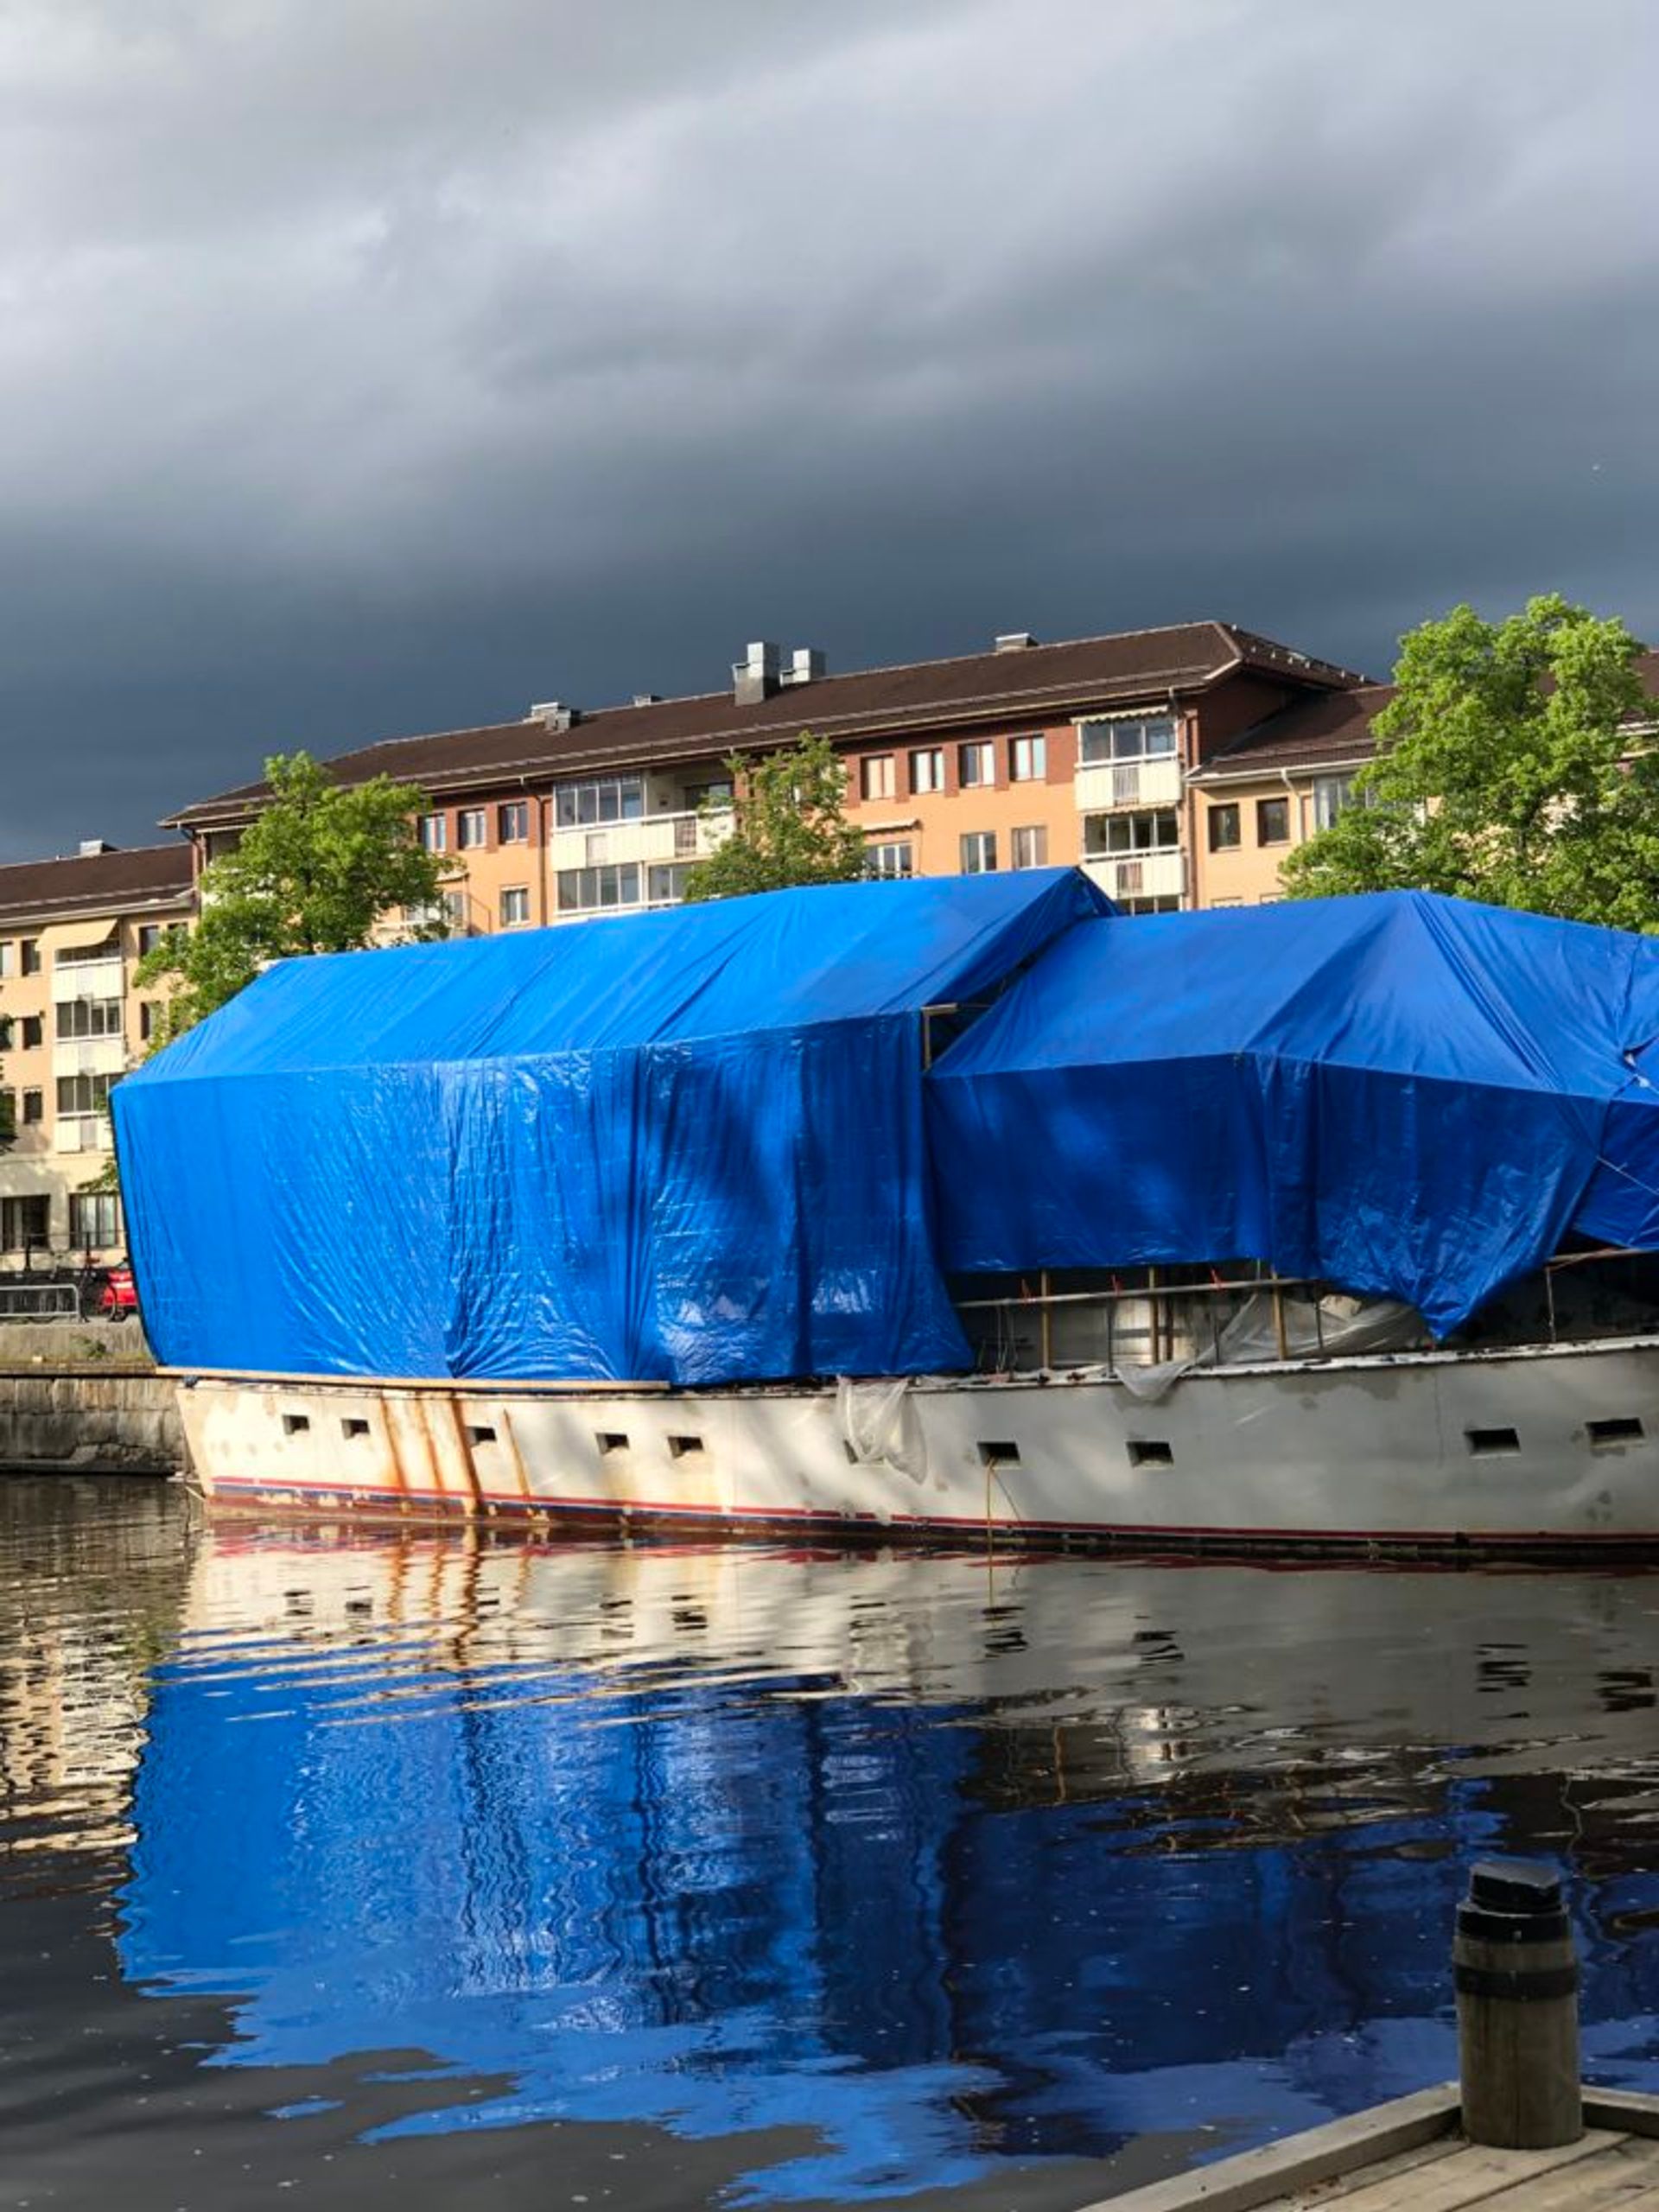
(1411, 1097)
(685, 1147)
(881, 1425)
(1295, 1328)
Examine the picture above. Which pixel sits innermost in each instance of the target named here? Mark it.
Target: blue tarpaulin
(683, 1147)
(1409, 1096)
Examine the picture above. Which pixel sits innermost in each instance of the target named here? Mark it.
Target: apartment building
(71, 931)
(1022, 756)
(1257, 798)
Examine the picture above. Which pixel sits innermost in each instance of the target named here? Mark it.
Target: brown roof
(96, 883)
(1024, 683)
(1329, 728)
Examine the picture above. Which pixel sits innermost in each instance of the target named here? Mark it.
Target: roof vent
(1013, 641)
(755, 678)
(90, 847)
(554, 713)
(806, 665)
(647, 699)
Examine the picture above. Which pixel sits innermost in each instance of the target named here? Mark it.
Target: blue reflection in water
(936, 1930)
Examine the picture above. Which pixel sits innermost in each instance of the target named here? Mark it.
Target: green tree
(787, 825)
(1507, 770)
(318, 869)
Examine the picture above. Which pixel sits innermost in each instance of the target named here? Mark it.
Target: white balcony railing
(90, 1056)
(88, 979)
(1103, 785)
(81, 1133)
(1138, 875)
(661, 837)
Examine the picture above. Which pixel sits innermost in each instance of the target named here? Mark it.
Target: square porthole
(682, 1448)
(1605, 1435)
(295, 1424)
(1491, 1443)
(1150, 1451)
(352, 1426)
(999, 1454)
(609, 1440)
(480, 1433)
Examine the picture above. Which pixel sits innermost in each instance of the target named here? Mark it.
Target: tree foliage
(318, 869)
(1507, 770)
(787, 825)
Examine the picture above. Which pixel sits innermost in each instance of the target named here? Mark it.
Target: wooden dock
(1411, 2156)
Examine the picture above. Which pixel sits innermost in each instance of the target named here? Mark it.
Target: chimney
(756, 678)
(92, 847)
(1013, 641)
(554, 713)
(806, 665)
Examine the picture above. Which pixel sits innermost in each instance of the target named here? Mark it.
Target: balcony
(1100, 785)
(659, 838)
(90, 1056)
(81, 1133)
(1138, 875)
(88, 979)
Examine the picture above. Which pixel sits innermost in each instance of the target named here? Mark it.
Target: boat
(916, 1211)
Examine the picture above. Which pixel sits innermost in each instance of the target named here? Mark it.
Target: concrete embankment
(81, 1397)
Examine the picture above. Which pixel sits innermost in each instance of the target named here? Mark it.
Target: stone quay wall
(84, 1397)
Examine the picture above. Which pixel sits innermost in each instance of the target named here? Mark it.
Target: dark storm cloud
(382, 366)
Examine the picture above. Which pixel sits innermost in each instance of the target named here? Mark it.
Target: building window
(665, 883)
(30, 950)
(34, 1107)
(1217, 905)
(1127, 737)
(79, 1018)
(603, 799)
(5, 1033)
(472, 828)
(716, 792)
(515, 905)
(1166, 905)
(1273, 821)
(435, 832)
(8, 1116)
(151, 933)
(8, 956)
(976, 765)
(513, 823)
(979, 852)
(1331, 795)
(1027, 759)
(876, 776)
(590, 890)
(149, 1020)
(1224, 832)
(94, 1221)
(25, 1223)
(889, 860)
(927, 769)
(33, 1031)
(85, 955)
(1030, 847)
(1106, 836)
(83, 1094)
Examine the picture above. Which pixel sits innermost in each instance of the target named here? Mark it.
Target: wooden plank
(1337, 2191)
(1474, 2174)
(1609, 2179)
(1258, 2177)
(1623, 2110)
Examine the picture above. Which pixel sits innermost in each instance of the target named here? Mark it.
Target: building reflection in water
(945, 1861)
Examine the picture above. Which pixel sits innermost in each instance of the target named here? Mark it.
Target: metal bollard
(1517, 1983)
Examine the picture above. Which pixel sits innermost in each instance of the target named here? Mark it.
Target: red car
(118, 1298)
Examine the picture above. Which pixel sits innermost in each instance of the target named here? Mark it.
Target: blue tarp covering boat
(685, 1147)
(1404, 1095)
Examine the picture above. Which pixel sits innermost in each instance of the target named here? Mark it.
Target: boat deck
(1410, 2156)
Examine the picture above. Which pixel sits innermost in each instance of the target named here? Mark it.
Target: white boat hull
(1548, 1447)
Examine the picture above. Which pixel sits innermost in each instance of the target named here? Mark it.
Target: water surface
(669, 1875)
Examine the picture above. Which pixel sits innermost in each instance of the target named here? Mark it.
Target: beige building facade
(1023, 756)
(71, 1021)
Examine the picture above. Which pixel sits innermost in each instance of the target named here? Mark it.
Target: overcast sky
(372, 367)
